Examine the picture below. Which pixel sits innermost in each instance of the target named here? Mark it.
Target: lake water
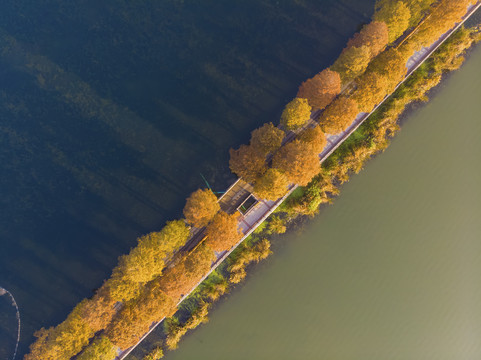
(390, 271)
(109, 112)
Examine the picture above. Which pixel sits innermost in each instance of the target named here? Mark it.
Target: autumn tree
(223, 232)
(64, 341)
(272, 185)
(100, 349)
(247, 162)
(352, 62)
(297, 162)
(373, 35)
(396, 15)
(267, 139)
(178, 280)
(237, 265)
(146, 260)
(135, 318)
(296, 114)
(443, 16)
(200, 207)
(392, 65)
(339, 115)
(99, 310)
(321, 89)
(314, 138)
(372, 87)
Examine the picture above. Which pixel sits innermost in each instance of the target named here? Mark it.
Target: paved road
(240, 190)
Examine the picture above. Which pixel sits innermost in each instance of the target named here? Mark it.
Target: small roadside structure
(247, 205)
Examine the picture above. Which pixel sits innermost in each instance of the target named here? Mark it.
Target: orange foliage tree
(314, 138)
(373, 35)
(297, 162)
(200, 207)
(100, 349)
(223, 232)
(339, 115)
(267, 139)
(135, 318)
(247, 162)
(272, 185)
(321, 89)
(178, 280)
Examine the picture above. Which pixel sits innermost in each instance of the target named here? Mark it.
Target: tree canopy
(314, 138)
(373, 35)
(223, 232)
(396, 15)
(296, 114)
(267, 139)
(272, 185)
(372, 87)
(178, 280)
(321, 89)
(200, 207)
(135, 318)
(247, 162)
(100, 349)
(352, 62)
(339, 115)
(297, 162)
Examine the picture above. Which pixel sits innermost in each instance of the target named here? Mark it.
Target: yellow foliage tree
(321, 89)
(297, 162)
(339, 115)
(64, 341)
(247, 162)
(372, 87)
(100, 349)
(352, 62)
(200, 208)
(272, 185)
(267, 138)
(396, 15)
(295, 114)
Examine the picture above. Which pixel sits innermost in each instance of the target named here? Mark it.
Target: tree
(135, 318)
(321, 89)
(295, 114)
(267, 139)
(200, 207)
(443, 17)
(297, 162)
(247, 162)
(373, 35)
(98, 311)
(178, 280)
(223, 232)
(371, 89)
(64, 341)
(314, 138)
(276, 225)
(272, 185)
(352, 62)
(100, 349)
(397, 17)
(339, 115)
